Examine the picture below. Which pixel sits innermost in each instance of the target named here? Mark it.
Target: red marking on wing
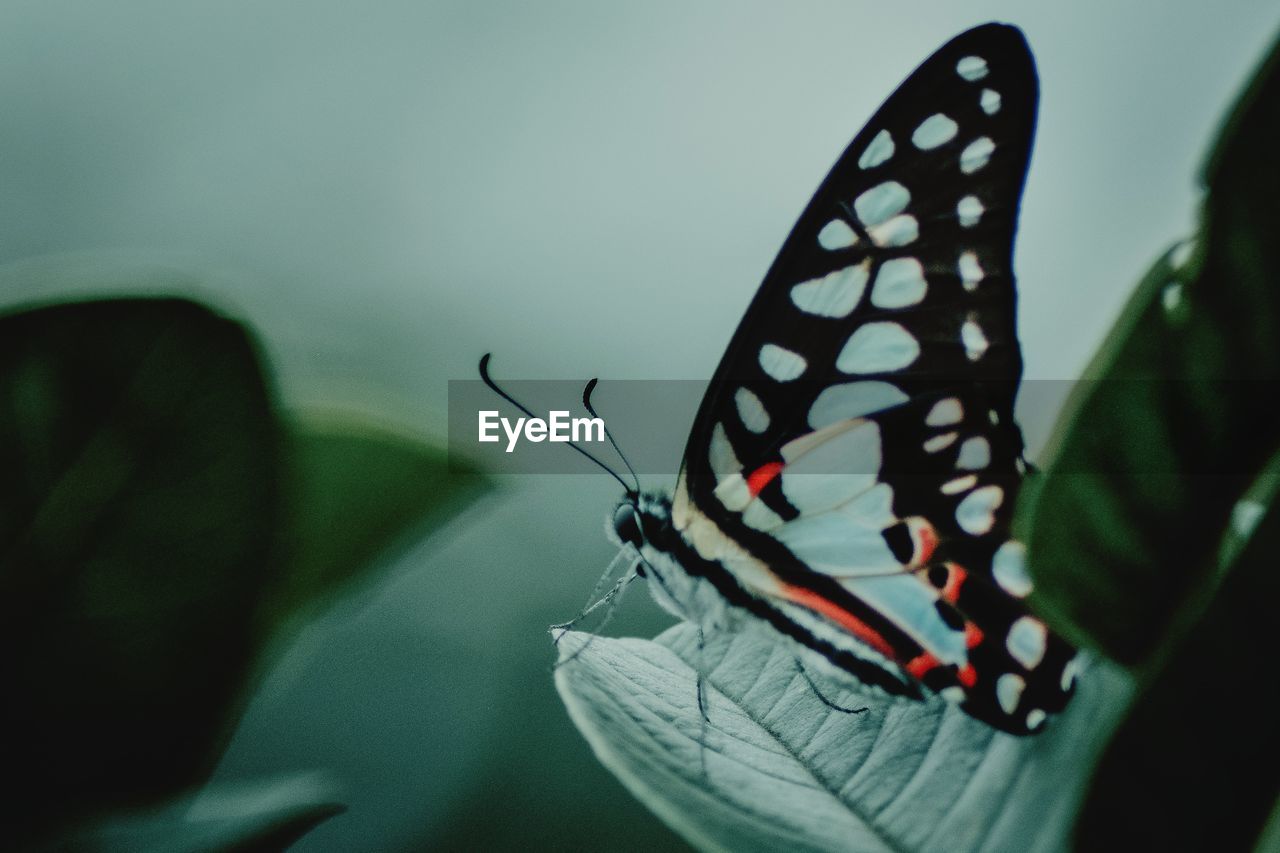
(810, 599)
(759, 478)
(926, 540)
(920, 665)
(972, 635)
(924, 663)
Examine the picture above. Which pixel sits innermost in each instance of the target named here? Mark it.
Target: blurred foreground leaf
(244, 818)
(1176, 417)
(354, 492)
(1151, 490)
(775, 769)
(139, 505)
(156, 516)
(1189, 768)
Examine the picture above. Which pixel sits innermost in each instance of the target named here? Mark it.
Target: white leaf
(774, 768)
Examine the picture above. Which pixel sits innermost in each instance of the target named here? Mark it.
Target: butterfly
(851, 472)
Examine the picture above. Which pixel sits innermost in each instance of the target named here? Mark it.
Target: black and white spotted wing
(852, 469)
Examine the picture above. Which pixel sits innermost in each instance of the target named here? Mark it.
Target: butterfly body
(851, 472)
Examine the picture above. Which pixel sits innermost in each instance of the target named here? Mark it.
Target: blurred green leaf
(1140, 530)
(243, 818)
(1189, 768)
(354, 491)
(139, 507)
(1269, 839)
(1175, 418)
(157, 518)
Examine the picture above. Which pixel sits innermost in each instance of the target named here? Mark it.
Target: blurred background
(385, 192)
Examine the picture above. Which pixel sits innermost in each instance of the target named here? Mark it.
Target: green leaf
(772, 768)
(355, 492)
(1175, 418)
(1189, 768)
(262, 817)
(140, 502)
(1139, 532)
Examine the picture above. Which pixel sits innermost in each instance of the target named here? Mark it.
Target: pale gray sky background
(389, 189)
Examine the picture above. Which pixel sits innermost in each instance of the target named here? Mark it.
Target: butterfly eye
(627, 525)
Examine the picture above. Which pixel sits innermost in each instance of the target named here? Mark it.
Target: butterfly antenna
(586, 402)
(493, 386)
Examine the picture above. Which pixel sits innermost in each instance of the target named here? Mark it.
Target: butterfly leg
(704, 716)
(593, 602)
(702, 693)
(825, 701)
(612, 599)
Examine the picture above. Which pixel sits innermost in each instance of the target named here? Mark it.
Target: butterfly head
(641, 523)
(640, 519)
(626, 523)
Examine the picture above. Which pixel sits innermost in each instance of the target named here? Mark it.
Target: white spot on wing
(899, 283)
(878, 347)
(975, 454)
(959, 484)
(911, 606)
(835, 294)
(976, 513)
(976, 154)
(782, 365)
(1009, 567)
(990, 101)
(971, 271)
(828, 470)
(940, 442)
(817, 494)
(936, 130)
(751, 411)
(975, 342)
(1027, 640)
(945, 412)
(836, 234)
(881, 202)
(1035, 719)
(1069, 673)
(969, 210)
(733, 492)
(853, 400)
(952, 693)
(723, 460)
(880, 150)
(758, 516)
(1009, 689)
(1171, 296)
(898, 231)
(972, 68)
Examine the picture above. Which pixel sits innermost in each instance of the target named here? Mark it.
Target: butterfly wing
(858, 438)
